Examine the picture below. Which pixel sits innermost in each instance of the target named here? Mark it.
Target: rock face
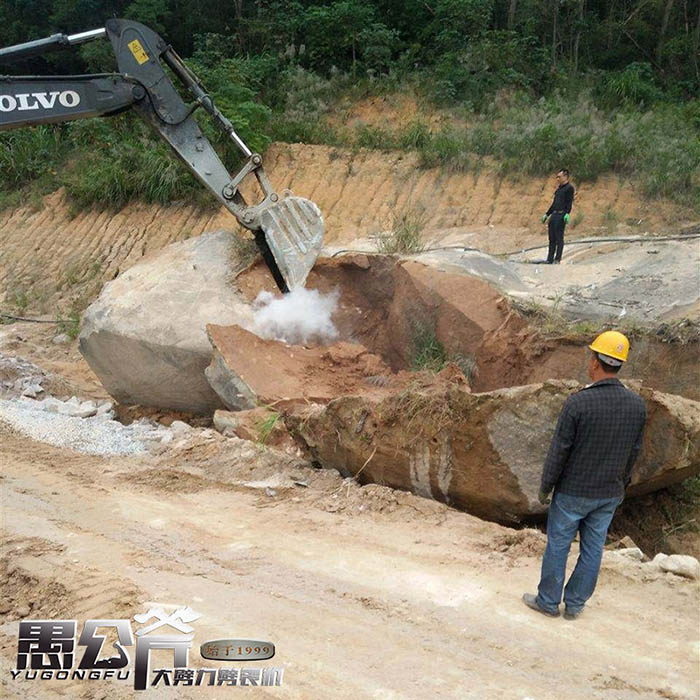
(145, 336)
(480, 452)
(247, 370)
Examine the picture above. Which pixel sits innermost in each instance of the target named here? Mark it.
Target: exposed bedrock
(481, 452)
(145, 336)
(389, 305)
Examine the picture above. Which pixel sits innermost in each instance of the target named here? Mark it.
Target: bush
(406, 234)
(634, 86)
(480, 66)
(374, 137)
(29, 154)
(414, 136)
(448, 149)
(115, 167)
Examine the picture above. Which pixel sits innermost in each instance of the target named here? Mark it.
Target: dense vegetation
(600, 86)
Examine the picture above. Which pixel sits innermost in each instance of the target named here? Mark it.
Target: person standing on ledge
(558, 214)
(589, 466)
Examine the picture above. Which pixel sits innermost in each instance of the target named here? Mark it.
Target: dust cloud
(302, 317)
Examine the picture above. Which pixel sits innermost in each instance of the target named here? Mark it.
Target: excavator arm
(288, 230)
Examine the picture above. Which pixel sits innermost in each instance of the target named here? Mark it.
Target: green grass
(30, 154)
(70, 325)
(551, 323)
(266, 426)
(19, 300)
(406, 234)
(610, 219)
(467, 364)
(428, 353)
(657, 146)
(110, 162)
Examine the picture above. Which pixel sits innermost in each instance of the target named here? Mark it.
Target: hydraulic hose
(681, 237)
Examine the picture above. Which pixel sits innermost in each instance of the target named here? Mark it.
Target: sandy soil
(367, 592)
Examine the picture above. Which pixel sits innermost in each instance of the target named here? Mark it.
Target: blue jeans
(567, 515)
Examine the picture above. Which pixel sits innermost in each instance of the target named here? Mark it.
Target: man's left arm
(560, 448)
(568, 199)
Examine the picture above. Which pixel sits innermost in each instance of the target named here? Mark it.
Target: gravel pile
(97, 434)
(19, 377)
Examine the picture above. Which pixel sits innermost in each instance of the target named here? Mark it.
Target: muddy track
(401, 598)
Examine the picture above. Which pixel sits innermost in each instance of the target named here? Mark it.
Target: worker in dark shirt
(558, 214)
(589, 466)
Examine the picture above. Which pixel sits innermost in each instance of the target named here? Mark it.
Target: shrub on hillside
(29, 154)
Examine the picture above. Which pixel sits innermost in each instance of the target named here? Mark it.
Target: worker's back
(601, 426)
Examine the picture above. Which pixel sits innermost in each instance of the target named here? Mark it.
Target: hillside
(52, 257)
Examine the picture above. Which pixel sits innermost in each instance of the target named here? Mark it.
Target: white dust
(301, 317)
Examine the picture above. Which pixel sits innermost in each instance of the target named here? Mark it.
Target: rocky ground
(366, 591)
(648, 280)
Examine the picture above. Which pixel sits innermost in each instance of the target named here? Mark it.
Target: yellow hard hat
(613, 345)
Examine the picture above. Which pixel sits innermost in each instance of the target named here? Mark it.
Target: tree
(152, 13)
(332, 32)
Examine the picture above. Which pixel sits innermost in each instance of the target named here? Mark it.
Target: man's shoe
(531, 602)
(557, 262)
(572, 615)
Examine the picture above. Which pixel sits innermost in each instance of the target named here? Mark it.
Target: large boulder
(480, 452)
(145, 336)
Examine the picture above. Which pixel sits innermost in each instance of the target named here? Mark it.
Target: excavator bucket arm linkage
(288, 230)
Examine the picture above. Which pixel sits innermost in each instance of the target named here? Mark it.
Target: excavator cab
(288, 229)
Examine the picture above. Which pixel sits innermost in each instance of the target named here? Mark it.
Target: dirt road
(366, 592)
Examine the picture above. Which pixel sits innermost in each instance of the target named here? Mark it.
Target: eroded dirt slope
(50, 256)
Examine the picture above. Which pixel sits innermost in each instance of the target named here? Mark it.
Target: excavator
(288, 229)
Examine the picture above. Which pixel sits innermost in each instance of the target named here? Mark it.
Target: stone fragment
(226, 421)
(633, 553)
(32, 390)
(145, 338)
(247, 370)
(259, 424)
(679, 564)
(77, 408)
(106, 408)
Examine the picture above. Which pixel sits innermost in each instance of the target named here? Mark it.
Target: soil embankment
(51, 257)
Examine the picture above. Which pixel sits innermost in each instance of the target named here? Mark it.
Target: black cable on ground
(31, 320)
(640, 239)
(582, 241)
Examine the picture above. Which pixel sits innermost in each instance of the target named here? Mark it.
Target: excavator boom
(288, 230)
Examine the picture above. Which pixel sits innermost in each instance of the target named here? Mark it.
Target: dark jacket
(563, 199)
(596, 442)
